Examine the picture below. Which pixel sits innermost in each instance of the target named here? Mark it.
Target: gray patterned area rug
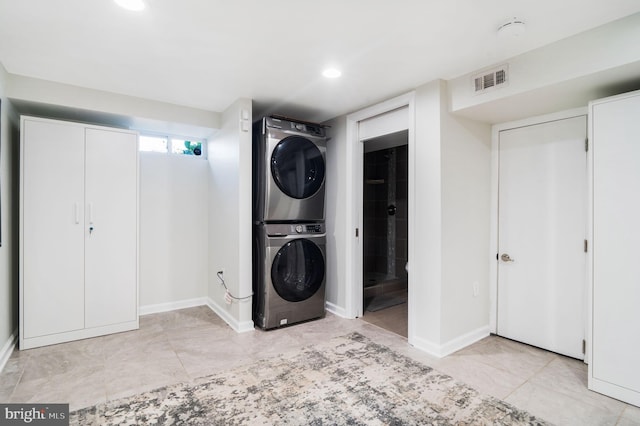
(349, 380)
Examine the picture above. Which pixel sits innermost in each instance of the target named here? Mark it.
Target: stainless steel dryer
(289, 273)
(288, 170)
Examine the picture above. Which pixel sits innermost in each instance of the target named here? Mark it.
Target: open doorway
(385, 232)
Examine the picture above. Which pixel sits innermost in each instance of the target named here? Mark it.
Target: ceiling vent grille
(491, 79)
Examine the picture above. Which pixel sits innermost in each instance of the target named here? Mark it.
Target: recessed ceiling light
(135, 5)
(332, 73)
(513, 28)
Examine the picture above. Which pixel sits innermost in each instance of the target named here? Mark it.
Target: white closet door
(53, 226)
(542, 226)
(111, 210)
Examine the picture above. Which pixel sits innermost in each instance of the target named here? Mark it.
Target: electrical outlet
(476, 289)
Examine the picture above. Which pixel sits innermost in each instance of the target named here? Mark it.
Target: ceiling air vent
(490, 79)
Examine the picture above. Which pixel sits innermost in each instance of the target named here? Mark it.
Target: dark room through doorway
(385, 233)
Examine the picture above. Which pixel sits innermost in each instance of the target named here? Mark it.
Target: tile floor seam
(553, 358)
(529, 379)
(582, 401)
(104, 366)
(506, 370)
(104, 383)
(622, 414)
(489, 363)
(191, 378)
(619, 419)
(15, 387)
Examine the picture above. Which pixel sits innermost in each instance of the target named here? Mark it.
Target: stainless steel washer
(289, 171)
(289, 273)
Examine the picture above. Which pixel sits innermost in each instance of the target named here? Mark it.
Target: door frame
(355, 167)
(495, 186)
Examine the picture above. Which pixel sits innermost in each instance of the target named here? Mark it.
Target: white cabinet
(615, 290)
(78, 231)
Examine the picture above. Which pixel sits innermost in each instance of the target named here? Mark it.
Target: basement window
(153, 143)
(171, 144)
(186, 147)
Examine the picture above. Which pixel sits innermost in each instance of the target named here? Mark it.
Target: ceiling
(208, 53)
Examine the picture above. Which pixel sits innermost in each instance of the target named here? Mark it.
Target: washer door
(297, 167)
(297, 271)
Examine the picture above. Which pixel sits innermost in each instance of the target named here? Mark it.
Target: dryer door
(297, 167)
(297, 271)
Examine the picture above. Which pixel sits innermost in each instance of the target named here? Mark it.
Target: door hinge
(584, 346)
(357, 232)
(586, 145)
(586, 246)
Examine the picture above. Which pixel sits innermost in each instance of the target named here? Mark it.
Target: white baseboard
(7, 349)
(238, 326)
(454, 345)
(172, 306)
(83, 333)
(614, 391)
(465, 340)
(427, 346)
(336, 310)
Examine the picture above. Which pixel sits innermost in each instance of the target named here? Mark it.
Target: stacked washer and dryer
(288, 212)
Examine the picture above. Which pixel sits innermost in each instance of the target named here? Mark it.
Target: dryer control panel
(301, 127)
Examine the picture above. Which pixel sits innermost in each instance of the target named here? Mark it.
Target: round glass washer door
(297, 167)
(297, 271)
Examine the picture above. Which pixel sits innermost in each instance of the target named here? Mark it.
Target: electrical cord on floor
(228, 297)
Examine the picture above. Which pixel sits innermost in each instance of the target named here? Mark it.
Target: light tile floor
(182, 345)
(393, 318)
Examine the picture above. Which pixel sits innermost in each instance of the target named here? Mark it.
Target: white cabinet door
(111, 231)
(613, 369)
(52, 228)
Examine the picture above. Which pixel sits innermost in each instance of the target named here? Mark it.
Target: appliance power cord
(228, 297)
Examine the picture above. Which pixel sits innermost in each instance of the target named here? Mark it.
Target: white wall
(9, 147)
(563, 75)
(139, 113)
(427, 194)
(173, 229)
(230, 163)
(452, 193)
(466, 192)
(336, 200)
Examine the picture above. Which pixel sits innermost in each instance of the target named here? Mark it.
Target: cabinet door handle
(76, 210)
(91, 227)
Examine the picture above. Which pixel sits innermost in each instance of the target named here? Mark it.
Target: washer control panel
(316, 228)
(278, 229)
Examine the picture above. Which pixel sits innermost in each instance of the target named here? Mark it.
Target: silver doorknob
(506, 258)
